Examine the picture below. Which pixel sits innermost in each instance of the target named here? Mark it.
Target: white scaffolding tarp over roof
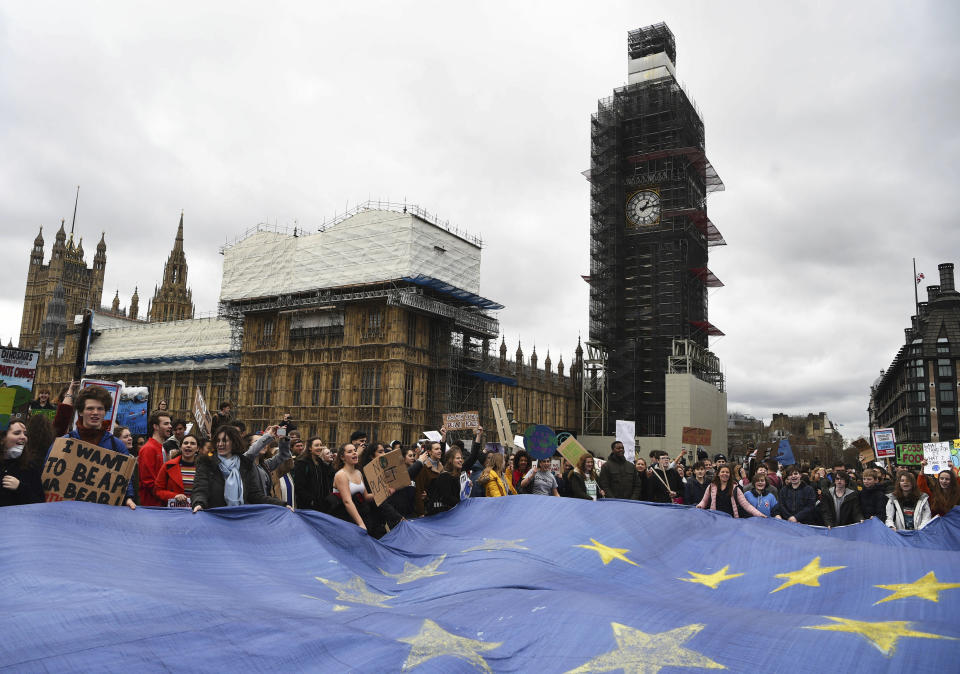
(371, 246)
(194, 344)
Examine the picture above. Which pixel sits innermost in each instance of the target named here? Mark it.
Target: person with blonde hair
(492, 477)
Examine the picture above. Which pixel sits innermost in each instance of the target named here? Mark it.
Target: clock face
(643, 208)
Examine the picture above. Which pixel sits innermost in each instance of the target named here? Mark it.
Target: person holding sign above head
(20, 481)
(907, 507)
(943, 492)
(176, 476)
(228, 478)
(91, 405)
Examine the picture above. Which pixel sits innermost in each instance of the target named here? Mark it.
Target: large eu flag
(525, 584)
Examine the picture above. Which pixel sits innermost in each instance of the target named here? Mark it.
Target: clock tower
(650, 238)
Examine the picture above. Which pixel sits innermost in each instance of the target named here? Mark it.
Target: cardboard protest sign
(627, 434)
(572, 450)
(460, 421)
(201, 413)
(765, 449)
(113, 388)
(132, 410)
(17, 371)
(866, 455)
(80, 471)
(385, 472)
(937, 455)
(539, 441)
(696, 436)
(909, 454)
(885, 442)
(502, 422)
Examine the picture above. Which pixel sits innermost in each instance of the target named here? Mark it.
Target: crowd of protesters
(176, 468)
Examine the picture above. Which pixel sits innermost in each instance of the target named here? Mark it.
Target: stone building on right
(917, 394)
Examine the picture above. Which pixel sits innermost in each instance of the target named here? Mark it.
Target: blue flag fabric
(785, 453)
(525, 583)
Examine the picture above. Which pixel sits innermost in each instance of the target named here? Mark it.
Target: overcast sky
(833, 126)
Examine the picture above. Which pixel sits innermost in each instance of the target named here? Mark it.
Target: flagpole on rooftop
(916, 282)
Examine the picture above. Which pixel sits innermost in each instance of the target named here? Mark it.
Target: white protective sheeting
(370, 247)
(194, 344)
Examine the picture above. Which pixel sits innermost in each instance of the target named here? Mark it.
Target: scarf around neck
(232, 482)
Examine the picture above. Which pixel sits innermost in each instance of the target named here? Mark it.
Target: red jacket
(169, 480)
(150, 459)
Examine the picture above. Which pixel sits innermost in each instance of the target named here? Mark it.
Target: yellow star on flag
(883, 635)
(607, 554)
(711, 580)
(412, 572)
(641, 653)
(927, 587)
(355, 591)
(432, 641)
(808, 575)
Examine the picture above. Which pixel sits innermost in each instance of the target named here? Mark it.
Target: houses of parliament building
(386, 343)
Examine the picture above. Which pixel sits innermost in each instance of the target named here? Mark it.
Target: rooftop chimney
(933, 292)
(946, 277)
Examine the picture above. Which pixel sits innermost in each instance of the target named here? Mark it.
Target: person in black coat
(20, 481)
(840, 506)
(443, 493)
(214, 486)
(696, 485)
(663, 484)
(313, 478)
(797, 500)
(873, 496)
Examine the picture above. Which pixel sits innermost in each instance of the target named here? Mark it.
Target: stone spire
(173, 300)
(135, 305)
(560, 366)
(115, 307)
(547, 363)
(36, 254)
(533, 358)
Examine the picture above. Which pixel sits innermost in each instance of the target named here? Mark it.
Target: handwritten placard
(461, 421)
(909, 454)
(937, 455)
(386, 472)
(696, 436)
(81, 471)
